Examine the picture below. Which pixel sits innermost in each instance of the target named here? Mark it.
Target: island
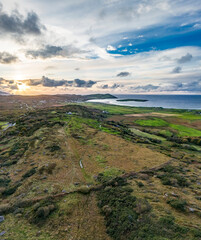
(132, 100)
(99, 96)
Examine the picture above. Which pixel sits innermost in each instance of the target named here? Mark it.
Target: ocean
(164, 101)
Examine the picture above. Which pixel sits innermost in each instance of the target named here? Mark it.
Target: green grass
(121, 110)
(184, 131)
(112, 172)
(146, 135)
(101, 160)
(118, 110)
(154, 122)
(19, 229)
(166, 133)
(3, 125)
(190, 117)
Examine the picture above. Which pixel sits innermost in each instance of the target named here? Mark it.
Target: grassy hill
(82, 172)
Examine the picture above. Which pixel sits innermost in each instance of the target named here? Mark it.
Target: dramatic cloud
(7, 58)
(16, 24)
(177, 70)
(123, 74)
(184, 59)
(47, 82)
(107, 41)
(53, 51)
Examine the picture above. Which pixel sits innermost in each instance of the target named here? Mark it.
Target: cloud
(177, 70)
(16, 24)
(46, 52)
(194, 86)
(50, 67)
(3, 93)
(123, 74)
(47, 82)
(184, 59)
(113, 86)
(14, 87)
(145, 88)
(111, 48)
(83, 83)
(7, 58)
(50, 51)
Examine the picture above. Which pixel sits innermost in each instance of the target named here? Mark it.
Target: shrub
(29, 173)
(41, 211)
(170, 176)
(129, 218)
(179, 204)
(11, 190)
(4, 182)
(167, 220)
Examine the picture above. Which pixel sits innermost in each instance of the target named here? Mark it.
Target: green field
(155, 122)
(118, 110)
(184, 131)
(146, 135)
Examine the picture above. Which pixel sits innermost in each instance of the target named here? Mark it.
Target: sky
(101, 46)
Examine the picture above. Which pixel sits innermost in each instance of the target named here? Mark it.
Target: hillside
(92, 171)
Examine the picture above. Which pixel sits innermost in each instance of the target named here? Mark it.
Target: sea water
(164, 101)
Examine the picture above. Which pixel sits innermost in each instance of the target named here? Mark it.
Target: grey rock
(191, 209)
(1, 219)
(2, 233)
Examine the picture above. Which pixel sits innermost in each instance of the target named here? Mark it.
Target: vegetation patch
(4, 181)
(108, 174)
(178, 204)
(101, 160)
(29, 173)
(155, 122)
(41, 211)
(184, 131)
(11, 189)
(172, 176)
(129, 218)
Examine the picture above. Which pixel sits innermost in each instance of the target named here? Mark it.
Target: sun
(22, 87)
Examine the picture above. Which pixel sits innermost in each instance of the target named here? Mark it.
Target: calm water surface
(165, 101)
